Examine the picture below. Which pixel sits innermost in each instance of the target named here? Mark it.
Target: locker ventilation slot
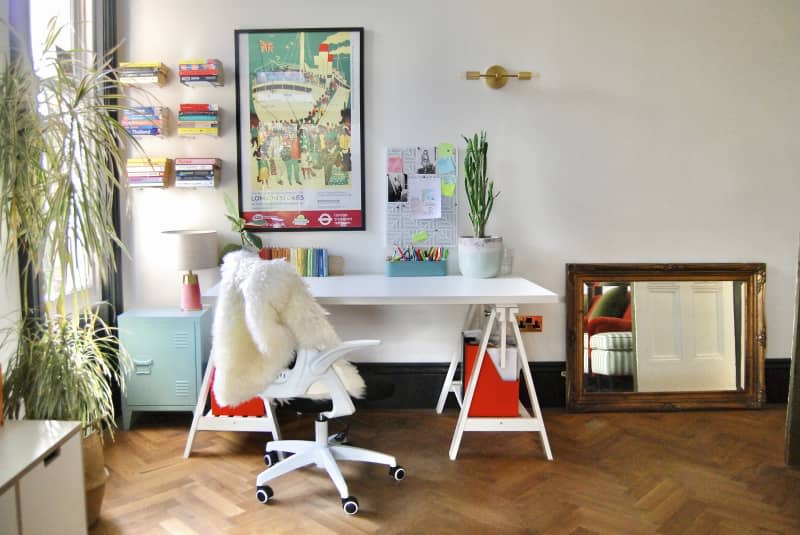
(181, 340)
(181, 388)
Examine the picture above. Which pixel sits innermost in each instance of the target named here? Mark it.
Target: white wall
(658, 132)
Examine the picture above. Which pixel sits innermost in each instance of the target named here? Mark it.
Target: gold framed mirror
(665, 336)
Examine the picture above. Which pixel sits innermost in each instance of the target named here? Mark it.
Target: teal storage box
(436, 268)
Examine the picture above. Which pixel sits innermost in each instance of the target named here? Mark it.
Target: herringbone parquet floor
(671, 473)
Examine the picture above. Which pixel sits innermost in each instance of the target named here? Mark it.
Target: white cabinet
(9, 520)
(41, 478)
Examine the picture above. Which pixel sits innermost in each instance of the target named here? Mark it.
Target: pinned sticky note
(419, 236)
(448, 190)
(445, 166)
(445, 150)
(394, 164)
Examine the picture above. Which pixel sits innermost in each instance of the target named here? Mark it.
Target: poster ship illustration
(299, 167)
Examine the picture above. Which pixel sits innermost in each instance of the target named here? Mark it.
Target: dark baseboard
(776, 377)
(417, 386)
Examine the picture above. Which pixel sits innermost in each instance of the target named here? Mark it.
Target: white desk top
(450, 290)
(24, 442)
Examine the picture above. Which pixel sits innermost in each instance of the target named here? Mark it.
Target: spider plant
(60, 145)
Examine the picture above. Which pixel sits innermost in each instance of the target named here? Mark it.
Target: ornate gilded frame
(751, 396)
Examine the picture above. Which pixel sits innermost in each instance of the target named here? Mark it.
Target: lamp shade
(195, 249)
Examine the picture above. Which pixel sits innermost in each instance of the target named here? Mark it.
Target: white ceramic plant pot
(480, 258)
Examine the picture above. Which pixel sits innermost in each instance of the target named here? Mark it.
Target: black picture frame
(300, 128)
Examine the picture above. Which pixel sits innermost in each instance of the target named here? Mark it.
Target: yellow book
(189, 131)
(143, 65)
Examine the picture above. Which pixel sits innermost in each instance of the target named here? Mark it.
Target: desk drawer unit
(169, 349)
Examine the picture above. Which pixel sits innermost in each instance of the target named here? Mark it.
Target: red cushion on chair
(251, 407)
(606, 324)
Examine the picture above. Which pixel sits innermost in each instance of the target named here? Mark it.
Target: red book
(199, 72)
(198, 107)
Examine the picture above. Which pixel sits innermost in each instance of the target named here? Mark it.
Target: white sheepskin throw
(264, 312)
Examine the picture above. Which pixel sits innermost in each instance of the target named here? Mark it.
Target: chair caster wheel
(340, 438)
(263, 493)
(397, 472)
(271, 458)
(350, 505)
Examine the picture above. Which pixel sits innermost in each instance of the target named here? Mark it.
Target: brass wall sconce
(496, 76)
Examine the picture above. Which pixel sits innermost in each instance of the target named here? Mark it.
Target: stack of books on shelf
(143, 73)
(197, 172)
(145, 120)
(201, 72)
(309, 261)
(198, 119)
(149, 172)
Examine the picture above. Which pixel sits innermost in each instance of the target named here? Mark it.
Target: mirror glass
(663, 336)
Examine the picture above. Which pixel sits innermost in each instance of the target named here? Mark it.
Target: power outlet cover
(530, 324)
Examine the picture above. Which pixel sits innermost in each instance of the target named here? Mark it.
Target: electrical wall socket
(530, 324)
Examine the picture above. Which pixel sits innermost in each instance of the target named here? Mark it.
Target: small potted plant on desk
(479, 255)
(59, 146)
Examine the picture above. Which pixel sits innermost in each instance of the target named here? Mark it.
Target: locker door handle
(143, 367)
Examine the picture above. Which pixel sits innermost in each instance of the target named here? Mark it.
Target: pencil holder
(436, 268)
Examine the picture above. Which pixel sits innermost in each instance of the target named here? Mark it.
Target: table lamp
(195, 249)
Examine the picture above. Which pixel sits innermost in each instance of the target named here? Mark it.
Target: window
(77, 33)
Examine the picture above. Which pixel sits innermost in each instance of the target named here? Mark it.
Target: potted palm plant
(59, 146)
(479, 255)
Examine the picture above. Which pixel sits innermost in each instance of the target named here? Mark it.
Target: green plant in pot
(479, 255)
(59, 146)
(249, 240)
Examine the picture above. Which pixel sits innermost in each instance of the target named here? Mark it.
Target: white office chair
(311, 367)
(265, 317)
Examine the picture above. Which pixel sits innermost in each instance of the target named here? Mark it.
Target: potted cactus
(479, 255)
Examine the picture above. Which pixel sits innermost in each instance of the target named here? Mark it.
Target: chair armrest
(604, 324)
(325, 360)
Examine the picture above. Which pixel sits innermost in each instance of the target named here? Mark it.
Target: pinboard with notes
(422, 196)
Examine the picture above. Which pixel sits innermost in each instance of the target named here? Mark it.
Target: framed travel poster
(300, 128)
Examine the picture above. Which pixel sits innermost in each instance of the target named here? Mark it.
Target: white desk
(502, 295)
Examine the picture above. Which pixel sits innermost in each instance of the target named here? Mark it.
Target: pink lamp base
(190, 297)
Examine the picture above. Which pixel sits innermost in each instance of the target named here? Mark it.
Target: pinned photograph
(426, 160)
(398, 187)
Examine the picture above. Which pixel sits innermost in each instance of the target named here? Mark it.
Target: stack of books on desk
(145, 120)
(149, 172)
(201, 72)
(143, 73)
(197, 172)
(198, 119)
(309, 261)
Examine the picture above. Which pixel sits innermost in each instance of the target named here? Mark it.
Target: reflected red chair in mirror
(609, 310)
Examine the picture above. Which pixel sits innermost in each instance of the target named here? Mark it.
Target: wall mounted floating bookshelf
(153, 73)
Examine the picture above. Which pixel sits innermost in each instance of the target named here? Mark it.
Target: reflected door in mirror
(685, 336)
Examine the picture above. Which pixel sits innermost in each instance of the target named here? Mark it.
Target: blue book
(144, 131)
(144, 110)
(196, 117)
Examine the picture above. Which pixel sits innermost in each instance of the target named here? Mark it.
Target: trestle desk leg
(526, 372)
(471, 385)
(449, 385)
(199, 408)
